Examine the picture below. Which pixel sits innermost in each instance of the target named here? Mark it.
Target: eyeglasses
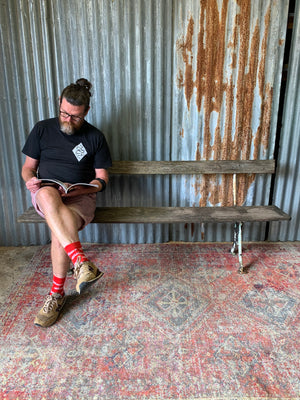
(74, 118)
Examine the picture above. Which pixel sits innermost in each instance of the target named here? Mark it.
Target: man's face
(71, 117)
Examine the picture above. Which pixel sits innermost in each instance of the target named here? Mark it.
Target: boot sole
(84, 285)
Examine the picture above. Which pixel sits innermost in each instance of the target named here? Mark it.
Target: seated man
(71, 150)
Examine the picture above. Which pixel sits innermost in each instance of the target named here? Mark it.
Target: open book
(66, 189)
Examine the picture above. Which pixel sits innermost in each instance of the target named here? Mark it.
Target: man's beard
(68, 128)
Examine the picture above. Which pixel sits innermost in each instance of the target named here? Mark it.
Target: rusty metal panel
(176, 80)
(228, 65)
(287, 188)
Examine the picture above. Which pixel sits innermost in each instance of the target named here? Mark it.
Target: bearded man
(71, 150)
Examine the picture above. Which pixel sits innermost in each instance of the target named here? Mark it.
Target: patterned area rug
(167, 321)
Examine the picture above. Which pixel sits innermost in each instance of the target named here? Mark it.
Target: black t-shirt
(69, 158)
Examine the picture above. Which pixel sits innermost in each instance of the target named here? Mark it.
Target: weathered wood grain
(168, 215)
(193, 167)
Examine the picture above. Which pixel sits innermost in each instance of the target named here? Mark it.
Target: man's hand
(33, 184)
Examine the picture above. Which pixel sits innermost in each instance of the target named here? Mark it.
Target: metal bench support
(237, 246)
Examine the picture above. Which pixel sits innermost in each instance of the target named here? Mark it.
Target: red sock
(74, 250)
(58, 285)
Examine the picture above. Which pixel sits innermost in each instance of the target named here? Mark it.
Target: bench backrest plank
(193, 167)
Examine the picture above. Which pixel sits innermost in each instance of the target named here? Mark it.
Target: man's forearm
(28, 173)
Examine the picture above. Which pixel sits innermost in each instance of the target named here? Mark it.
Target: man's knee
(47, 193)
(48, 197)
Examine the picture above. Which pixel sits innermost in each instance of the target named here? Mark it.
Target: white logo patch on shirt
(79, 151)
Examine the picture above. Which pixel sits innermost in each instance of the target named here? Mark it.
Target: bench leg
(241, 269)
(237, 244)
(235, 238)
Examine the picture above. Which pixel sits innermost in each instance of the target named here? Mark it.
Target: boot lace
(77, 267)
(50, 303)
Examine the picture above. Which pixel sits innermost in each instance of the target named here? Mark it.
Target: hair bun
(84, 83)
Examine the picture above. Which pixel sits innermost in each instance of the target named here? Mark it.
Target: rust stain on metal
(185, 45)
(191, 226)
(198, 154)
(233, 138)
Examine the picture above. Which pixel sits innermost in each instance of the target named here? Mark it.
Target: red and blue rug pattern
(166, 321)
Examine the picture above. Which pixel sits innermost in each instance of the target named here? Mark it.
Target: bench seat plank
(176, 214)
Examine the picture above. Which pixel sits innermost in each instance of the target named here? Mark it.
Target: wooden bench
(166, 215)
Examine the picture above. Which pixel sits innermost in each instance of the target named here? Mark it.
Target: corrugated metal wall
(198, 79)
(287, 188)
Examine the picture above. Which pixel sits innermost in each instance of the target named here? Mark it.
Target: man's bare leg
(55, 300)
(60, 259)
(64, 224)
(62, 221)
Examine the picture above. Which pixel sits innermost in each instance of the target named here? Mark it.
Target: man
(71, 150)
